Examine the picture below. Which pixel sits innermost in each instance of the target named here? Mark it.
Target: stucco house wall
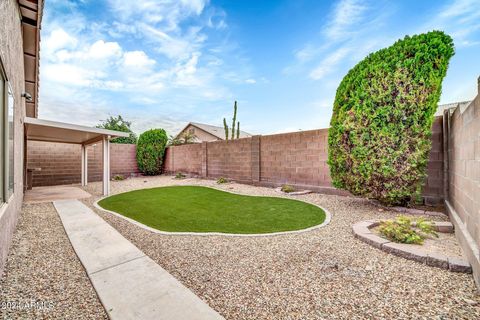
(11, 54)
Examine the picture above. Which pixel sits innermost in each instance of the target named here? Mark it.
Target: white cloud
(329, 64)
(345, 19)
(137, 59)
(104, 50)
(460, 19)
(251, 81)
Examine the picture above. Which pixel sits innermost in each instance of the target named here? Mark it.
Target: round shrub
(150, 149)
(379, 136)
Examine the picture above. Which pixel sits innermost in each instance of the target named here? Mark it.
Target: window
(7, 142)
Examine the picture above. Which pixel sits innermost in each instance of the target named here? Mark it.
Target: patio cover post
(84, 165)
(106, 165)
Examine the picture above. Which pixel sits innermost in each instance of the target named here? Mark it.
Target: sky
(164, 63)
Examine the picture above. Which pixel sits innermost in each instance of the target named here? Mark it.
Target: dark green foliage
(150, 149)
(379, 136)
(118, 124)
(225, 127)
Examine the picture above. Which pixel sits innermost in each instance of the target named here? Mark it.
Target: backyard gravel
(321, 274)
(43, 268)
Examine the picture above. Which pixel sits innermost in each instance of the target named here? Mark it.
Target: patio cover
(53, 131)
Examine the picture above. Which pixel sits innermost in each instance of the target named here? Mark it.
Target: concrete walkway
(129, 284)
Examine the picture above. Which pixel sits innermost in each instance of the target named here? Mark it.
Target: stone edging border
(328, 218)
(408, 210)
(293, 193)
(362, 231)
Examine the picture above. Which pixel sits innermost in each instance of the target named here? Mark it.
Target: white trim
(106, 166)
(84, 165)
(328, 218)
(75, 127)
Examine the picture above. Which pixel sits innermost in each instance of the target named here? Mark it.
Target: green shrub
(180, 175)
(402, 230)
(118, 177)
(379, 136)
(222, 180)
(150, 150)
(287, 188)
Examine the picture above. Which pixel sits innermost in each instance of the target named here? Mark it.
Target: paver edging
(328, 218)
(361, 230)
(293, 193)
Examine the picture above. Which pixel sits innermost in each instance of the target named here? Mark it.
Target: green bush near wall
(379, 136)
(150, 150)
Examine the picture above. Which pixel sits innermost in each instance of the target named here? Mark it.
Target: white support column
(84, 165)
(106, 165)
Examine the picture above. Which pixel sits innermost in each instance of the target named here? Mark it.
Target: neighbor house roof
(442, 107)
(218, 132)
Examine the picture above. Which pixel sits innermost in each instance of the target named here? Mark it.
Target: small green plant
(222, 180)
(180, 175)
(287, 188)
(404, 230)
(118, 177)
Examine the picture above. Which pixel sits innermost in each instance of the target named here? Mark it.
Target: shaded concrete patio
(53, 193)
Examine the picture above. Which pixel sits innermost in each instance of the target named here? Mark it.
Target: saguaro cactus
(234, 120)
(238, 129)
(225, 127)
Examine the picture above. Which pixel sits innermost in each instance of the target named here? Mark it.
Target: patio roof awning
(53, 131)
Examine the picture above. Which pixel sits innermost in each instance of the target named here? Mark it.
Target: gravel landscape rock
(43, 278)
(322, 274)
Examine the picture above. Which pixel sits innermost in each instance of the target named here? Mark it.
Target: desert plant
(235, 130)
(186, 138)
(118, 177)
(402, 230)
(379, 136)
(287, 188)
(225, 127)
(150, 150)
(119, 124)
(222, 180)
(180, 175)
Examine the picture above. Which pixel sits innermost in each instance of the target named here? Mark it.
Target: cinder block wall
(60, 163)
(463, 202)
(297, 158)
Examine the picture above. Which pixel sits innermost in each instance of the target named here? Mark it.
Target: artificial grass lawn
(202, 209)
